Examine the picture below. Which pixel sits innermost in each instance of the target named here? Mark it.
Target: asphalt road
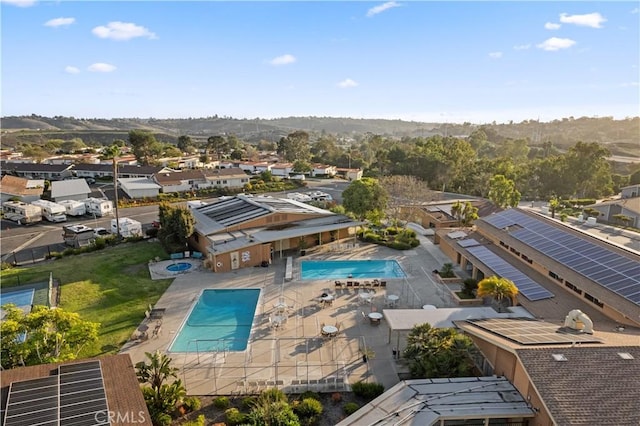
(35, 241)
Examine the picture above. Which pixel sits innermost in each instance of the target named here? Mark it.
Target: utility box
(128, 227)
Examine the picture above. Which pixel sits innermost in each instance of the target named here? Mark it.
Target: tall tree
(295, 146)
(503, 192)
(42, 336)
(404, 193)
(145, 146)
(438, 352)
(161, 396)
(185, 144)
(500, 289)
(176, 226)
(589, 170)
(364, 196)
(218, 144)
(113, 152)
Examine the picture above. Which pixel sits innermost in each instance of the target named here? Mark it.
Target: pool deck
(295, 356)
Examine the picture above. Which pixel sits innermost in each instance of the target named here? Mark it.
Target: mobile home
(98, 206)
(73, 207)
(128, 227)
(51, 211)
(22, 213)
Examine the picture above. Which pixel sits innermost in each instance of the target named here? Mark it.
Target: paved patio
(295, 356)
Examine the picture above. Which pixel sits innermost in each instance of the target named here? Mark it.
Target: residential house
(282, 170)
(73, 189)
(613, 211)
(101, 390)
(630, 191)
(242, 232)
(137, 188)
(26, 190)
(349, 174)
(188, 162)
(189, 180)
(323, 170)
(437, 214)
(233, 178)
(37, 170)
(105, 170)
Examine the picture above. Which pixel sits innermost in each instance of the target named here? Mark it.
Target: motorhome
(98, 206)
(51, 211)
(195, 204)
(296, 196)
(77, 235)
(128, 227)
(73, 207)
(21, 213)
(320, 196)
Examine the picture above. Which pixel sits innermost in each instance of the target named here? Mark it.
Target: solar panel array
(74, 397)
(526, 331)
(469, 242)
(526, 286)
(614, 271)
(233, 211)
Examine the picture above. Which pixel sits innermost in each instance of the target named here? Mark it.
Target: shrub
(162, 419)
(234, 417)
(199, 421)
(336, 397)
(192, 403)
(248, 402)
(469, 286)
(221, 402)
(399, 245)
(308, 409)
(309, 394)
(350, 407)
(367, 390)
(273, 395)
(152, 232)
(447, 271)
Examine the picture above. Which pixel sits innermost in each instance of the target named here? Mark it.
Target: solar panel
(529, 288)
(75, 396)
(599, 263)
(527, 331)
(469, 242)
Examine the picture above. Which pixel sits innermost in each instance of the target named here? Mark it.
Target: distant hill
(622, 137)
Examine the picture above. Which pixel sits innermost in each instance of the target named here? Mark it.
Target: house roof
(429, 401)
(222, 173)
(138, 183)
(223, 214)
(13, 185)
(65, 188)
(123, 169)
(632, 204)
(120, 384)
(594, 386)
(176, 178)
(406, 319)
(33, 167)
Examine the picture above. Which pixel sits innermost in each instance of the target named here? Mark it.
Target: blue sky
(423, 61)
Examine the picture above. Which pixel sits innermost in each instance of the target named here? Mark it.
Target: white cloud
(122, 31)
(283, 60)
(59, 22)
(101, 67)
(552, 26)
(20, 3)
(381, 8)
(630, 84)
(346, 83)
(634, 11)
(555, 43)
(495, 55)
(521, 47)
(71, 70)
(593, 20)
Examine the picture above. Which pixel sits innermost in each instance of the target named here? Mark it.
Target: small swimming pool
(342, 269)
(178, 267)
(20, 298)
(221, 319)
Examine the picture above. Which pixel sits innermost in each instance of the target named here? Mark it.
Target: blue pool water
(342, 269)
(178, 267)
(20, 298)
(221, 319)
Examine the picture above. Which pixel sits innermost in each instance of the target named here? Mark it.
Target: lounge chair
(157, 313)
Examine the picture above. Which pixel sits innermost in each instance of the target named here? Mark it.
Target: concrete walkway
(295, 357)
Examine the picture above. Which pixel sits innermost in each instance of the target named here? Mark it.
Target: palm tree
(499, 289)
(113, 152)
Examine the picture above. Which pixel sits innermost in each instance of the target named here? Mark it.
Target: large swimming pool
(220, 320)
(20, 298)
(342, 269)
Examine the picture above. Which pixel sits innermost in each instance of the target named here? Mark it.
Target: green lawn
(110, 286)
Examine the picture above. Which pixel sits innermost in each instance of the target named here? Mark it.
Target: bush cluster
(367, 390)
(350, 407)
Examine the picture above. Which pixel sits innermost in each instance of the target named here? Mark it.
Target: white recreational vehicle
(51, 211)
(304, 198)
(98, 206)
(77, 235)
(195, 204)
(128, 227)
(22, 213)
(73, 207)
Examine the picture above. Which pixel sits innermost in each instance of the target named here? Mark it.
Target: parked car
(90, 180)
(100, 232)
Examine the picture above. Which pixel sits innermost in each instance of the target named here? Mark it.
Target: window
(593, 300)
(572, 287)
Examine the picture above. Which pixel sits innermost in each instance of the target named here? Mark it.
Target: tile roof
(594, 386)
